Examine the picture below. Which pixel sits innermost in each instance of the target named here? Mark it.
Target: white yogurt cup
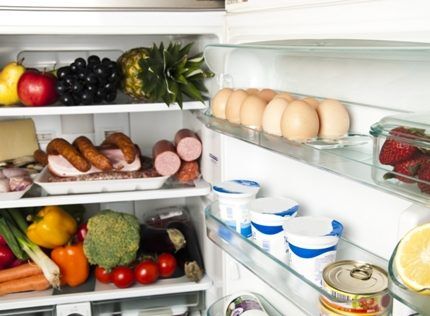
(267, 217)
(233, 195)
(312, 243)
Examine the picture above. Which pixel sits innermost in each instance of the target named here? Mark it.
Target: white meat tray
(14, 195)
(97, 186)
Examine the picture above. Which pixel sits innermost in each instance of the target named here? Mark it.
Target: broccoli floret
(112, 239)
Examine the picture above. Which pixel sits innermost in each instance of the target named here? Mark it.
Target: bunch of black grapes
(91, 81)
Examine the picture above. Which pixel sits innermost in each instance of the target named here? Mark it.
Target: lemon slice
(413, 259)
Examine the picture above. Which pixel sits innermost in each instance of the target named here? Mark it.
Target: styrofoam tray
(14, 195)
(97, 186)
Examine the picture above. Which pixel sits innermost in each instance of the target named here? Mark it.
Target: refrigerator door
(365, 211)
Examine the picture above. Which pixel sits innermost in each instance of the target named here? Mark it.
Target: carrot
(19, 272)
(36, 282)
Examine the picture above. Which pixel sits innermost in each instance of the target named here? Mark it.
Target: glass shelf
(120, 106)
(37, 197)
(219, 307)
(351, 161)
(94, 291)
(294, 287)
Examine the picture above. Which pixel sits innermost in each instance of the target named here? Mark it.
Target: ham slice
(61, 167)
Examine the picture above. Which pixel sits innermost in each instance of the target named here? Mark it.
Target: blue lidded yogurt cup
(267, 217)
(312, 243)
(233, 195)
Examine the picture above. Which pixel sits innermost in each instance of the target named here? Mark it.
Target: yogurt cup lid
(312, 226)
(274, 206)
(237, 188)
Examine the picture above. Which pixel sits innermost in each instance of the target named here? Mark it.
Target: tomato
(146, 272)
(122, 277)
(102, 275)
(166, 264)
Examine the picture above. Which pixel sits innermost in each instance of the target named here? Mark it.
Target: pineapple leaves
(166, 73)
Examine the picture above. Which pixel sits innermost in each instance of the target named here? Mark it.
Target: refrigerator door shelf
(275, 272)
(351, 161)
(37, 197)
(94, 291)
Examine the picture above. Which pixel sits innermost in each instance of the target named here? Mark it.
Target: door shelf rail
(37, 197)
(352, 160)
(278, 274)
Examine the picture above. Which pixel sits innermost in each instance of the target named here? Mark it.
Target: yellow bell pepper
(53, 227)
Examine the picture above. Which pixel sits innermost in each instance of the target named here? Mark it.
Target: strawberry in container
(402, 154)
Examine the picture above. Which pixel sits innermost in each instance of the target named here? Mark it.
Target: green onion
(17, 225)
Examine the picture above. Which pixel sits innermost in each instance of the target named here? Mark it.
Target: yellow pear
(9, 78)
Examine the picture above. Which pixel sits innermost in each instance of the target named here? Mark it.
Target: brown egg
(312, 102)
(234, 103)
(334, 119)
(251, 112)
(299, 121)
(272, 116)
(252, 91)
(267, 94)
(219, 102)
(286, 96)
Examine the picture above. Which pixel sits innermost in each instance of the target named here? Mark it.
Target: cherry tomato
(122, 277)
(146, 272)
(102, 275)
(166, 264)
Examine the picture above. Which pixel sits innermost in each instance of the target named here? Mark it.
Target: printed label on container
(311, 262)
(245, 305)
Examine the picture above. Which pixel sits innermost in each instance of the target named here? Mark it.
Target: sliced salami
(188, 171)
(166, 161)
(188, 145)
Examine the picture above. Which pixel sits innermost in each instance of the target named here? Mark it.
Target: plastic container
(97, 186)
(402, 142)
(244, 304)
(267, 217)
(233, 195)
(312, 243)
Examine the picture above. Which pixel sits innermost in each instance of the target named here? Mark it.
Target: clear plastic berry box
(401, 154)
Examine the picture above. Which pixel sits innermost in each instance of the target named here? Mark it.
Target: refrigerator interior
(145, 127)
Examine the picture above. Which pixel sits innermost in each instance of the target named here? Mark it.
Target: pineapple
(163, 74)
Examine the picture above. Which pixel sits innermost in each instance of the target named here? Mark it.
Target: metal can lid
(355, 277)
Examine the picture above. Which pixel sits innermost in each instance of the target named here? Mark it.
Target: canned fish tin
(359, 288)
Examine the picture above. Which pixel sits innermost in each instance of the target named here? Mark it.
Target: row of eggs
(281, 114)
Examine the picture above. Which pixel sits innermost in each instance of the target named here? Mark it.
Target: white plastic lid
(312, 226)
(239, 188)
(179, 310)
(274, 206)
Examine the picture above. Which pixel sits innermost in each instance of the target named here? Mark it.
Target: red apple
(37, 88)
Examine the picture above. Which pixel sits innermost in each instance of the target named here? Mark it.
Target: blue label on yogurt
(247, 183)
(290, 212)
(223, 190)
(310, 253)
(267, 230)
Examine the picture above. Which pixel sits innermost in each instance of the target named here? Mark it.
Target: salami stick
(188, 145)
(166, 161)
